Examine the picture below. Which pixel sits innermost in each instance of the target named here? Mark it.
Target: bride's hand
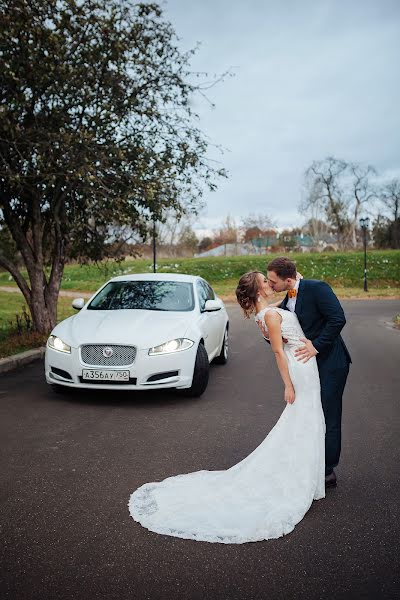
(289, 394)
(299, 276)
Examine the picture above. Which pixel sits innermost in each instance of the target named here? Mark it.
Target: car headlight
(172, 346)
(57, 344)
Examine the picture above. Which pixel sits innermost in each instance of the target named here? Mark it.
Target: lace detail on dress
(290, 326)
(266, 494)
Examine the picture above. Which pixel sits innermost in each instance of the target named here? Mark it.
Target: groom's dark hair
(283, 267)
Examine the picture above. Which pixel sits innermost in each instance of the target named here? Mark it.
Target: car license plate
(105, 375)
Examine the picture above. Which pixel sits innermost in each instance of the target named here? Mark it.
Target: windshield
(144, 295)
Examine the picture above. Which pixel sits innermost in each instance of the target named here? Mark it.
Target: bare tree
(256, 226)
(361, 194)
(386, 227)
(173, 227)
(228, 233)
(262, 221)
(312, 205)
(325, 182)
(318, 229)
(168, 229)
(188, 241)
(390, 198)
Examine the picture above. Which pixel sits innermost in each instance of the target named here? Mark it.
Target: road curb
(19, 360)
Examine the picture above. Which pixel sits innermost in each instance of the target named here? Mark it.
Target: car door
(220, 319)
(209, 321)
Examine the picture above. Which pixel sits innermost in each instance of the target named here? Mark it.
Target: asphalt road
(69, 464)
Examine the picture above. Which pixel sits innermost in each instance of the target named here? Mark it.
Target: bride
(266, 494)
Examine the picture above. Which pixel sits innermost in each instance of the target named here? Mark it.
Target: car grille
(122, 356)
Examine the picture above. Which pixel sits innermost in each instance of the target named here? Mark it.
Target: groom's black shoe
(330, 480)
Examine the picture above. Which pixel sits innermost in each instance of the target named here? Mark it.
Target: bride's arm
(273, 322)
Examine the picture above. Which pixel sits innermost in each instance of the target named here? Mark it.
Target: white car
(141, 332)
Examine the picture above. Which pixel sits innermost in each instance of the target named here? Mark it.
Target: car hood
(141, 328)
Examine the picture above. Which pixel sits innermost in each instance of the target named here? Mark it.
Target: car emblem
(107, 352)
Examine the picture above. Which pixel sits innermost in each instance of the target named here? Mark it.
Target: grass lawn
(11, 342)
(343, 271)
(13, 304)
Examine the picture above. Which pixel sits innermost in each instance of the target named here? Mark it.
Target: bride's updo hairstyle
(247, 291)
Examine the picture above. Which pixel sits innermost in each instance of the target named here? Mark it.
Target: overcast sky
(313, 78)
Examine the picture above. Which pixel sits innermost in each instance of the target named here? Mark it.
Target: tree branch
(18, 235)
(20, 281)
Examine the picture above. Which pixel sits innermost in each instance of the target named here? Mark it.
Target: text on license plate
(104, 375)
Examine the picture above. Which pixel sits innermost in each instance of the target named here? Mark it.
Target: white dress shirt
(291, 303)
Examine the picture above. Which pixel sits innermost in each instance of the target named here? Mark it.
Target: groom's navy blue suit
(322, 318)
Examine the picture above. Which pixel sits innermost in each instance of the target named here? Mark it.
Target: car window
(145, 295)
(202, 293)
(210, 291)
(205, 292)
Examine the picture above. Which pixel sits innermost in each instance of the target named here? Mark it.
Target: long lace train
(265, 495)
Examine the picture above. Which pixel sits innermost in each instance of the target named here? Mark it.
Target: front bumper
(145, 367)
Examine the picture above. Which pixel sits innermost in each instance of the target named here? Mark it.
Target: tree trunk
(42, 295)
(43, 301)
(353, 235)
(44, 315)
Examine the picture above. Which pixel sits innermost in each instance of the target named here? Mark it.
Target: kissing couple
(266, 494)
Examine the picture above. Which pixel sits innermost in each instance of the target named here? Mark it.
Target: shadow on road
(121, 398)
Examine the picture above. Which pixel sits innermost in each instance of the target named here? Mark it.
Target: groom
(322, 318)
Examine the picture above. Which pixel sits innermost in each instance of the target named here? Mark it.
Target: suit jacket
(322, 318)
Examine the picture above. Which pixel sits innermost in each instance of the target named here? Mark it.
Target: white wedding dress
(266, 494)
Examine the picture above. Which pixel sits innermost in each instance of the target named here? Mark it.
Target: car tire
(200, 374)
(222, 358)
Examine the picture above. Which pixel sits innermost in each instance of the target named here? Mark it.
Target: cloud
(312, 79)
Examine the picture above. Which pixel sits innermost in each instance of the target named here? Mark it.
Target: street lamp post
(154, 246)
(364, 223)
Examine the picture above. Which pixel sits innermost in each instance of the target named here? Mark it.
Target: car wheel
(222, 358)
(200, 374)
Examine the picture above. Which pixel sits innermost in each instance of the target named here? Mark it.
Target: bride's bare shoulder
(273, 316)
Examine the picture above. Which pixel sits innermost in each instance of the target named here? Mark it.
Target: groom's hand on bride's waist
(305, 352)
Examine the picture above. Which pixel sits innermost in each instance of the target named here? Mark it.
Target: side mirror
(78, 303)
(212, 305)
